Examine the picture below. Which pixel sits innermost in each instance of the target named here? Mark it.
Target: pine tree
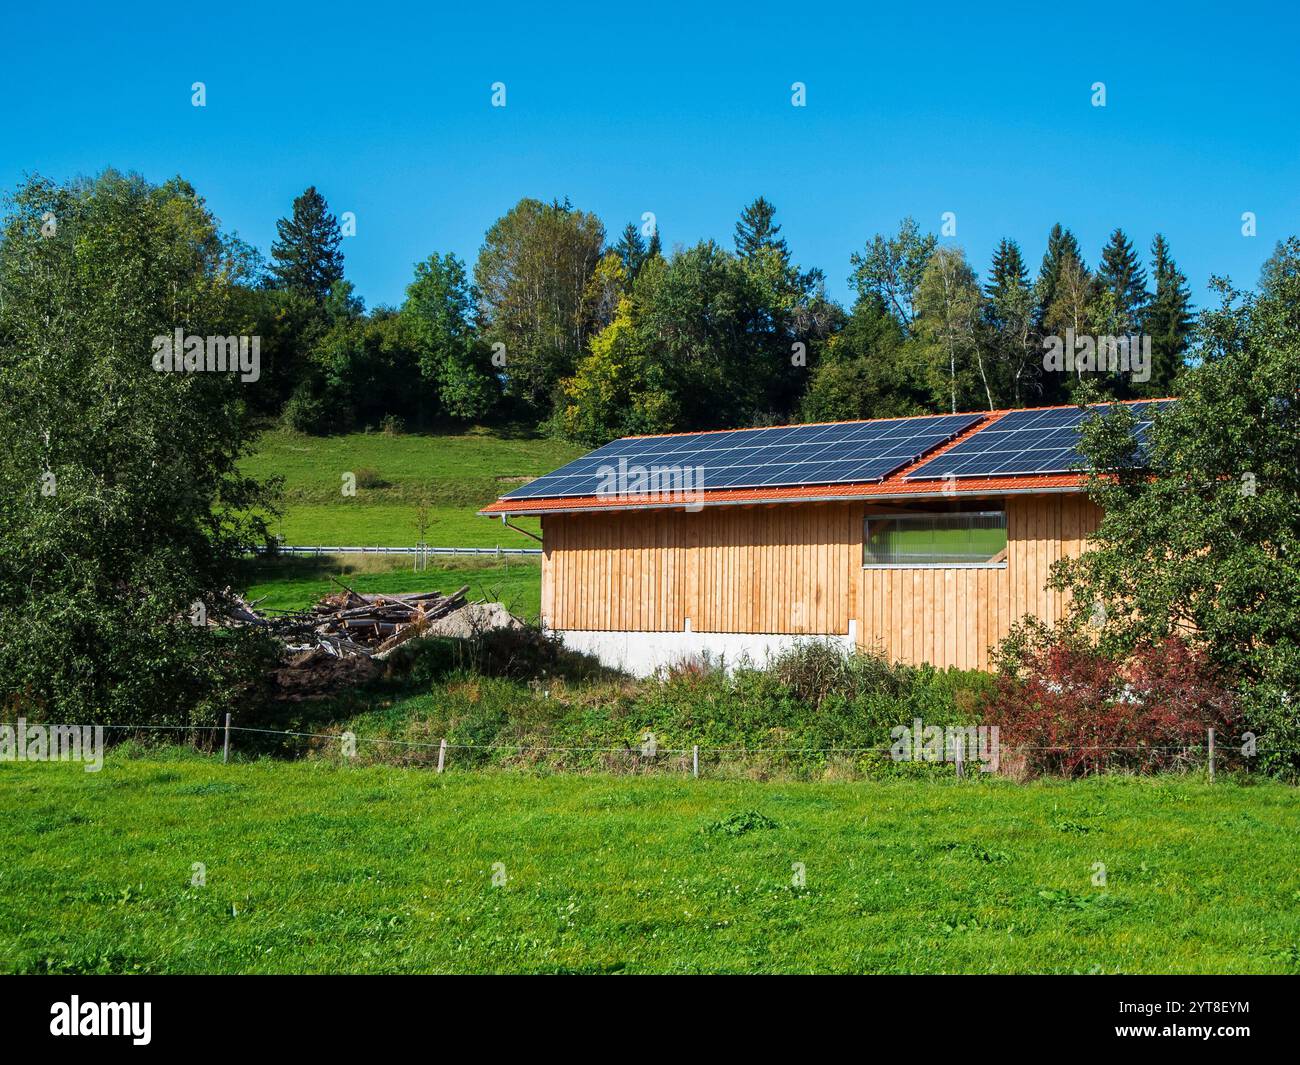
(306, 256)
(1121, 275)
(1009, 324)
(1060, 298)
(1167, 319)
(655, 247)
(1061, 247)
(631, 250)
(1008, 271)
(1008, 278)
(756, 231)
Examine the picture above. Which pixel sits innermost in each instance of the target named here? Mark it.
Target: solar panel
(1028, 441)
(843, 453)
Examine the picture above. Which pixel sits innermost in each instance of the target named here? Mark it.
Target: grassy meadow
(454, 474)
(320, 868)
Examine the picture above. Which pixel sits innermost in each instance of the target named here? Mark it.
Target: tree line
(557, 327)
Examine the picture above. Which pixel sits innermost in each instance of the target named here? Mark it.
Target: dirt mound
(472, 620)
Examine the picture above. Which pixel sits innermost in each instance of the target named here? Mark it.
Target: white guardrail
(298, 549)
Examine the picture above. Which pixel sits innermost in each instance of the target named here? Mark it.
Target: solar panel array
(843, 453)
(1026, 442)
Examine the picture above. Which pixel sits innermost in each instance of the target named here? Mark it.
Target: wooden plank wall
(778, 569)
(951, 617)
(798, 569)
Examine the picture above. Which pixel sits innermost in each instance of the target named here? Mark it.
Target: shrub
(1270, 711)
(815, 670)
(369, 478)
(315, 408)
(690, 669)
(305, 411)
(1071, 709)
(524, 653)
(426, 661)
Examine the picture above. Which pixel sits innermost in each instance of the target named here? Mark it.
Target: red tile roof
(892, 487)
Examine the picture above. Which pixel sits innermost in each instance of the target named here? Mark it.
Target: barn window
(969, 538)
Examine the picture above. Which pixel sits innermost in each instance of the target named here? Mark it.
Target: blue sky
(684, 110)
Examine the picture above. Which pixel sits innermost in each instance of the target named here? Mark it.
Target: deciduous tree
(532, 275)
(123, 511)
(439, 311)
(1209, 548)
(892, 268)
(948, 308)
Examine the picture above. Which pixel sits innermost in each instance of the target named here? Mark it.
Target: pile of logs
(378, 623)
(348, 623)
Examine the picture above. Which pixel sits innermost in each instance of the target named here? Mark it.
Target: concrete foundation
(642, 653)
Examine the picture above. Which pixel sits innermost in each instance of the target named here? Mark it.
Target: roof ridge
(888, 418)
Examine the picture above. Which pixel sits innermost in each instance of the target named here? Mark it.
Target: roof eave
(869, 497)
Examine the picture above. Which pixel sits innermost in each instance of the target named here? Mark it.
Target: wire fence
(649, 756)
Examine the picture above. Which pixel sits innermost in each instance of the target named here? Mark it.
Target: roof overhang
(870, 493)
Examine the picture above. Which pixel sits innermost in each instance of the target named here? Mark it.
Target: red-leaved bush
(1072, 710)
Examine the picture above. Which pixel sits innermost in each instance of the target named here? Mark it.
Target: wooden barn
(922, 538)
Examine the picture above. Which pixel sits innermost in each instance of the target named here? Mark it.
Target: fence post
(1211, 756)
(225, 752)
(442, 755)
(695, 761)
(959, 753)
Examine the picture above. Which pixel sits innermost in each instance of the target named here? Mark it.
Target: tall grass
(518, 699)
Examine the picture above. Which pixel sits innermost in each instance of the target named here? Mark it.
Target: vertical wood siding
(787, 569)
(798, 569)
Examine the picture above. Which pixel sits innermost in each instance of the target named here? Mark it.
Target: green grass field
(312, 867)
(454, 473)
